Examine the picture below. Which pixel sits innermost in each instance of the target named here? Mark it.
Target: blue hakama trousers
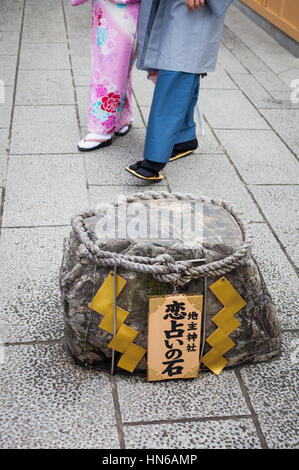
(171, 119)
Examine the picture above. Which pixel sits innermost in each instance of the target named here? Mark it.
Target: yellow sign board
(174, 327)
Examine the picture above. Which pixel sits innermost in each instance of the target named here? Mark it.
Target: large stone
(215, 236)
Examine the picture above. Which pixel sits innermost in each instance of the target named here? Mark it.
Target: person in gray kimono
(178, 39)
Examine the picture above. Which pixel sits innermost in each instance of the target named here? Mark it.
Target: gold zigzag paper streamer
(103, 303)
(226, 322)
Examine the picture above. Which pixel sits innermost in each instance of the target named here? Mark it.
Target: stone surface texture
(47, 401)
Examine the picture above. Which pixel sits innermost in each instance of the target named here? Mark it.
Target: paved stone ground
(249, 157)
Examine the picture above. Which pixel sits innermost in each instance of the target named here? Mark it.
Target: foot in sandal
(124, 130)
(94, 141)
(147, 170)
(183, 149)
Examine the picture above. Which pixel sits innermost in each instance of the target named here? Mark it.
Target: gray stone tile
(229, 109)
(40, 87)
(8, 65)
(108, 194)
(138, 121)
(257, 94)
(44, 24)
(285, 123)
(280, 277)
(10, 21)
(260, 156)
(3, 147)
(82, 69)
(54, 190)
(271, 82)
(9, 42)
(287, 98)
(274, 55)
(175, 399)
(288, 76)
(244, 54)
(213, 176)
(80, 45)
(273, 390)
(48, 402)
(3, 140)
(11, 15)
(82, 99)
(143, 88)
(228, 434)
(5, 108)
(145, 110)
(107, 165)
(43, 33)
(44, 129)
(78, 19)
(280, 206)
(29, 292)
(246, 30)
(45, 56)
(207, 143)
(14, 7)
(267, 49)
(218, 80)
(229, 62)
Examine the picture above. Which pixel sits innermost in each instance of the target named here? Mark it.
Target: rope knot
(164, 259)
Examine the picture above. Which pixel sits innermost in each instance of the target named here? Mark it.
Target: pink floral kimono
(114, 25)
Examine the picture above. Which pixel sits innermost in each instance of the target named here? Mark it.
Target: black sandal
(145, 172)
(183, 149)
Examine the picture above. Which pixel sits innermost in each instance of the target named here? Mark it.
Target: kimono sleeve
(219, 7)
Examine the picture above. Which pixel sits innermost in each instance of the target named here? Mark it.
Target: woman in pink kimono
(114, 25)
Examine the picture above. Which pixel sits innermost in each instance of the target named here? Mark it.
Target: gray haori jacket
(172, 38)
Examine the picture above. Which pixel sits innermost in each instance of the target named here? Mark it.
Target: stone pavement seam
(71, 66)
(42, 153)
(43, 105)
(7, 153)
(274, 233)
(112, 381)
(139, 109)
(35, 226)
(258, 206)
(118, 417)
(188, 420)
(256, 422)
(75, 95)
(246, 47)
(32, 343)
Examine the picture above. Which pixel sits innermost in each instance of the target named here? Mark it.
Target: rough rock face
(257, 338)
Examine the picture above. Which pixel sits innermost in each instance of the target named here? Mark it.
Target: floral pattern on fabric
(114, 26)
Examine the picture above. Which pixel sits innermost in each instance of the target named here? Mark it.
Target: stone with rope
(217, 242)
(164, 267)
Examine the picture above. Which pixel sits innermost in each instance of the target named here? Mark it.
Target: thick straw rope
(163, 267)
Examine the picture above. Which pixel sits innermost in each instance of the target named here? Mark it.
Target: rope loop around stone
(163, 267)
